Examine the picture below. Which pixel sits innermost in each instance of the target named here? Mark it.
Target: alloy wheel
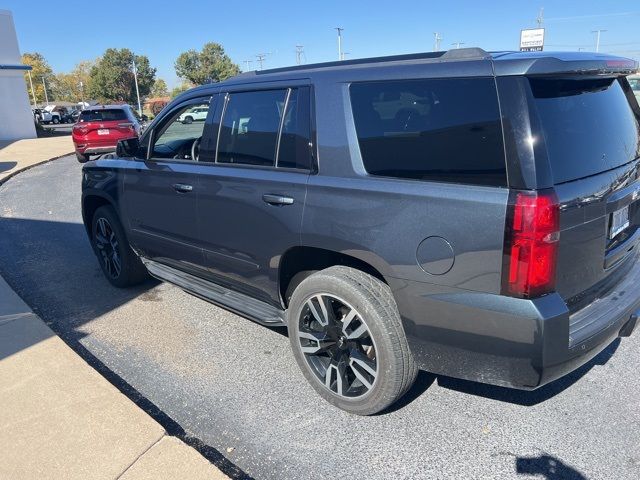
(338, 346)
(107, 245)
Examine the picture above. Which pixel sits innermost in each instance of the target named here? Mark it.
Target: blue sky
(68, 31)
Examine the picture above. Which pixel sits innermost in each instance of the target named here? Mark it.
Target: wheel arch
(305, 260)
(91, 203)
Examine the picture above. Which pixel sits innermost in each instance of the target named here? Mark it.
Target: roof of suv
(503, 63)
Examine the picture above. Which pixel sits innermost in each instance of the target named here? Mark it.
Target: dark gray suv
(473, 214)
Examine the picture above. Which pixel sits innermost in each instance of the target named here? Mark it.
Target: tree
(159, 89)
(183, 87)
(68, 85)
(40, 70)
(112, 79)
(211, 64)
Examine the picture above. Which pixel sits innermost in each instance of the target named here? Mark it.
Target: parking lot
(235, 386)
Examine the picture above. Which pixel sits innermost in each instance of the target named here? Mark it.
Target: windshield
(103, 115)
(587, 124)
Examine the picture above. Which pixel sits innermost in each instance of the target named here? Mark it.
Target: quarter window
(431, 129)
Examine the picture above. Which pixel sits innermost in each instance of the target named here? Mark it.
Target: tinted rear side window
(432, 129)
(105, 115)
(587, 124)
(249, 131)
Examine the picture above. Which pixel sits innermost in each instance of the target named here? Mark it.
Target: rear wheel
(188, 119)
(56, 120)
(118, 261)
(82, 158)
(347, 337)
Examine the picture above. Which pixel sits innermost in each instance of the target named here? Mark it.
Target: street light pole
(33, 92)
(135, 77)
(598, 32)
(82, 93)
(340, 29)
(46, 97)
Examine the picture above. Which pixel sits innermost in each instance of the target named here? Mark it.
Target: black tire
(352, 293)
(188, 120)
(82, 158)
(56, 120)
(131, 271)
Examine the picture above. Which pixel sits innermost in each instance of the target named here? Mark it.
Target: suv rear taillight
(531, 243)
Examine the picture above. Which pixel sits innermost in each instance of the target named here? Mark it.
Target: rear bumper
(506, 341)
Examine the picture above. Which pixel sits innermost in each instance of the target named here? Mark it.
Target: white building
(16, 118)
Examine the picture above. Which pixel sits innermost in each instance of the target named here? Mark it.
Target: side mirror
(128, 147)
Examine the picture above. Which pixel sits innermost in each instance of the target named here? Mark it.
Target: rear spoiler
(563, 63)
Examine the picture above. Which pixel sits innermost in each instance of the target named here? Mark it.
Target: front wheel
(347, 337)
(188, 120)
(118, 261)
(55, 120)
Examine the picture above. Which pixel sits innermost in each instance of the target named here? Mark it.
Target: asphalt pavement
(235, 386)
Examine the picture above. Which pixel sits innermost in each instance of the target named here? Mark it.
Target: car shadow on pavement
(4, 166)
(527, 397)
(52, 267)
(547, 466)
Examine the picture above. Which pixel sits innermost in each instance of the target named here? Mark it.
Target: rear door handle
(182, 187)
(273, 199)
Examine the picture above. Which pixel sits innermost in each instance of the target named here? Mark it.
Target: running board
(256, 310)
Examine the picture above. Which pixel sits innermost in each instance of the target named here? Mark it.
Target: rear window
(106, 115)
(587, 124)
(431, 129)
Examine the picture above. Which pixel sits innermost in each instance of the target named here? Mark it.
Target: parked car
(75, 115)
(45, 116)
(465, 213)
(100, 127)
(194, 115)
(634, 81)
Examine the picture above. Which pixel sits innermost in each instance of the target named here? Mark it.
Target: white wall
(16, 118)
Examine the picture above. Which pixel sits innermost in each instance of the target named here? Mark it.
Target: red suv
(100, 127)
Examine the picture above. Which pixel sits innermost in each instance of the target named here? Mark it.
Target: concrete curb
(9, 176)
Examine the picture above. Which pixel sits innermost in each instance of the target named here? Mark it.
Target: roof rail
(358, 61)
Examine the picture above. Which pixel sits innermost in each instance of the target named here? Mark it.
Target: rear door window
(250, 126)
(431, 129)
(587, 124)
(103, 115)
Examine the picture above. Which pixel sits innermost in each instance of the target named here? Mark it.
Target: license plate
(103, 131)
(619, 221)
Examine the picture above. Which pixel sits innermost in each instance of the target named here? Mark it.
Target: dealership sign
(532, 40)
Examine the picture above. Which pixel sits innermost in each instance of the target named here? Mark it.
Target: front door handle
(182, 187)
(273, 199)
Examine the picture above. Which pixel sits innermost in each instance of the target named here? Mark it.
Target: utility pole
(540, 17)
(299, 54)
(247, 64)
(33, 92)
(457, 44)
(598, 32)
(340, 30)
(82, 93)
(436, 43)
(46, 97)
(261, 57)
(135, 78)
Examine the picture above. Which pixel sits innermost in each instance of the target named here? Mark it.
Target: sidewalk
(16, 156)
(59, 418)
